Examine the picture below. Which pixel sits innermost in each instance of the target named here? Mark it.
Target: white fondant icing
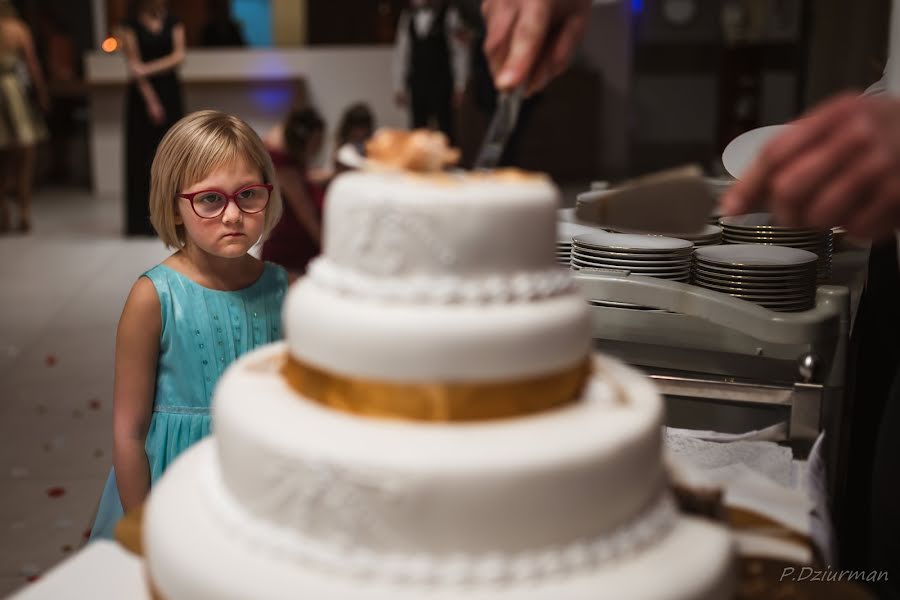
(397, 224)
(365, 337)
(342, 553)
(192, 555)
(509, 485)
(442, 289)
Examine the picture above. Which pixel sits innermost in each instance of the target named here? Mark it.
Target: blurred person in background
(21, 119)
(293, 145)
(221, 28)
(431, 64)
(153, 44)
(356, 126)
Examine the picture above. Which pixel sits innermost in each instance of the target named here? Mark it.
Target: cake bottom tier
(192, 554)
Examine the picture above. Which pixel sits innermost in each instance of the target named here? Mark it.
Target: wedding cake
(434, 426)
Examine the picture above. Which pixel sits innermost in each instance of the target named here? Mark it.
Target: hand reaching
(838, 165)
(532, 40)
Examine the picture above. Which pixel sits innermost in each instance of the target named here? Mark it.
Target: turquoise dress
(203, 331)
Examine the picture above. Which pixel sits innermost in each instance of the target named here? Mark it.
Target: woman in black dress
(153, 45)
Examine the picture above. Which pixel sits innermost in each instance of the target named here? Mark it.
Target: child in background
(213, 196)
(293, 145)
(356, 127)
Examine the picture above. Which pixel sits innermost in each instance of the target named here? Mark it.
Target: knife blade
(501, 127)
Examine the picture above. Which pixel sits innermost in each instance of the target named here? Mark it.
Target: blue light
(272, 98)
(637, 6)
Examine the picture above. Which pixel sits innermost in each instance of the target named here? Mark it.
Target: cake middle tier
(371, 487)
(362, 337)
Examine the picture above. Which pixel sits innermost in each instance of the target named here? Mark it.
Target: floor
(62, 288)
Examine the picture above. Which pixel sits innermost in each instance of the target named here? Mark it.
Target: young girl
(187, 319)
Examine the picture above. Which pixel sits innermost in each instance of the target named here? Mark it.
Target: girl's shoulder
(142, 306)
(277, 275)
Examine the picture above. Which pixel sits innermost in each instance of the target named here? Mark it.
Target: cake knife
(501, 127)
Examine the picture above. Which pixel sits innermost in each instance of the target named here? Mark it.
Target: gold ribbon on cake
(473, 401)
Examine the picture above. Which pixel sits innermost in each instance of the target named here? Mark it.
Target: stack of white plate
(565, 231)
(647, 255)
(759, 228)
(776, 277)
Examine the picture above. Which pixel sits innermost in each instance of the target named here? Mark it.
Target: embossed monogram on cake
(336, 505)
(386, 240)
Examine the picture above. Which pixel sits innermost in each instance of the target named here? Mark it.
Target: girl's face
(234, 232)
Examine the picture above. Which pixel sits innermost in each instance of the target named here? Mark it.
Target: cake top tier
(401, 224)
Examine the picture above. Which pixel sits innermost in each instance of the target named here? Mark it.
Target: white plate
(658, 264)
(806, 273)
(628, 242)
(763, 223)
(742, 151)
(762, 282)
(681, 256)
(784, 241)
(785, 285)
(707, 232)
(755, 255)
(636, 270)
(761, 295)
(565, 231)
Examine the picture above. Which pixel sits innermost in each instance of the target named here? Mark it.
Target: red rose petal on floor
(94, 404)
(86, 534)
(50, 360)
(32, 578)
(56, 492)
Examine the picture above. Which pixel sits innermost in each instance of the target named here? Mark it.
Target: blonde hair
(193, 148)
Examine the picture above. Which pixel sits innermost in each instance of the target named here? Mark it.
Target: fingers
(794, 187)
(562, 46)
(529, 33)
(500, 17)
(751, 191)
(849, 191)
(808, 130)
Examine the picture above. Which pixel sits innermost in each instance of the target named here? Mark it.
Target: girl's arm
(171, 60)
(293, 191)
(133, 60)
(137, 352)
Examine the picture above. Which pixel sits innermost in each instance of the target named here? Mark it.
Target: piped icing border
(344, 558)
(492, 289)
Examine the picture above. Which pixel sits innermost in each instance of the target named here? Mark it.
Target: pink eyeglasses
(209, 204)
